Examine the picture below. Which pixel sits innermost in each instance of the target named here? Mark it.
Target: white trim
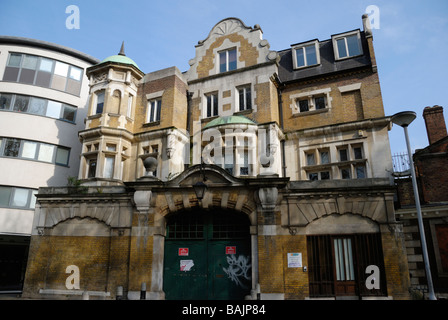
(294, 48)
(334, 39)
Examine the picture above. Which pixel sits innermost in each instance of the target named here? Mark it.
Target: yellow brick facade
(150, 180)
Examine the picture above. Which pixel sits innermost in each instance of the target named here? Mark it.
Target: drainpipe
(280, 86)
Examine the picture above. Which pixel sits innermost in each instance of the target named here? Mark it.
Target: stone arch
(342, 224)
(81, 226)
(103, 212)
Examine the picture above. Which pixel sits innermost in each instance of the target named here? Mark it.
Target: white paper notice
(294, 260)
(186, 265)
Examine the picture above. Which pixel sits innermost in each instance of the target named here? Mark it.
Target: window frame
(30, 202)
(246, 90)
(154, 110)
(303, 46)
(211, 110)
(344, 36)
(227, 61)
(38, 71)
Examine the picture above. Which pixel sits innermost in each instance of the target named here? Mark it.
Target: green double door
(207, 256)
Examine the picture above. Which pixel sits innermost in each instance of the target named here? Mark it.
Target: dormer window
(227, 60)
(347, 45)
(306, 54)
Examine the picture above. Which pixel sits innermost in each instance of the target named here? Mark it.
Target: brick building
(253, 172)
(430, 166)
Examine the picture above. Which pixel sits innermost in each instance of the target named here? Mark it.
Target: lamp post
(403, 119)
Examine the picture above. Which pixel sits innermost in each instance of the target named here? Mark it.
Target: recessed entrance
(207, 255)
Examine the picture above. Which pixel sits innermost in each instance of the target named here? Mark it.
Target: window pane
(209, 106)
(46, 65)
(20, 198)
(5, 194)
(62, 156)
(75, 73)
(11, 74)
(324, 157)
(300, 57)
(343, 155)
(92, 168)
(342, 52)
(46, 152)
(58, 82)
(43, 79)
(12, 147)
(313, 176)
(311, 57)
(53, 109)
(30, 62)
(29, 149)
(69, 113)
(310, 159)
(232, 59)
(360, 172)
(159, 107)
(27, 76)
(223, 62)
(73, 86)
(345, 173)
(5, 101)
(37, 106)
(353, 45)
(109, 167)
(14, 60)
(61, 69)
(215, 104)
(358, 152)
(325, 175)
(248, 98)
(303, 105)
(99, 102)
(319, 103)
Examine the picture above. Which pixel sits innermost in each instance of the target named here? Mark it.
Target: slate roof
(327, 66)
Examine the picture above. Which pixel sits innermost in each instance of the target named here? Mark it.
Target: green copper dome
(228, 120)
(120, 58)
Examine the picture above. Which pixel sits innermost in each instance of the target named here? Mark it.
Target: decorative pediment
(214, 175)
(227, 26)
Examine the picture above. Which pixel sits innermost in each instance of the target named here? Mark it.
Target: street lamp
(200, 187)
(404, 119)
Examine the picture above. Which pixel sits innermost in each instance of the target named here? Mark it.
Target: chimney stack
(435, 123)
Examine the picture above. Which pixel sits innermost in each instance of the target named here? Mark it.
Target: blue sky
(411, 43)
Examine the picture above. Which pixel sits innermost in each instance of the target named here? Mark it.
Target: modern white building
(43, 96)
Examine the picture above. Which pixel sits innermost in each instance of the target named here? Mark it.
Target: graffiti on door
(238, 269)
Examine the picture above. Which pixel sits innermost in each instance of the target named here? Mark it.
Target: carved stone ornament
(268, 198)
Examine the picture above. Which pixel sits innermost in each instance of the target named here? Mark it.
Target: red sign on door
(183, 251)
(230, 250)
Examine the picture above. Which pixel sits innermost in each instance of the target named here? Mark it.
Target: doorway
(207, 255)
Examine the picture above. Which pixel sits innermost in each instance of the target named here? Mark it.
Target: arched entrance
(207, 255)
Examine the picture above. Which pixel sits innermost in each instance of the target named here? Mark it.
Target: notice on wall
(183, 252)
(186, 265)
(231, 250)
(295, 260)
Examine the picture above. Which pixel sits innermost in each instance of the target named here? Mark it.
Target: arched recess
(207, 255)
(340, 250)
